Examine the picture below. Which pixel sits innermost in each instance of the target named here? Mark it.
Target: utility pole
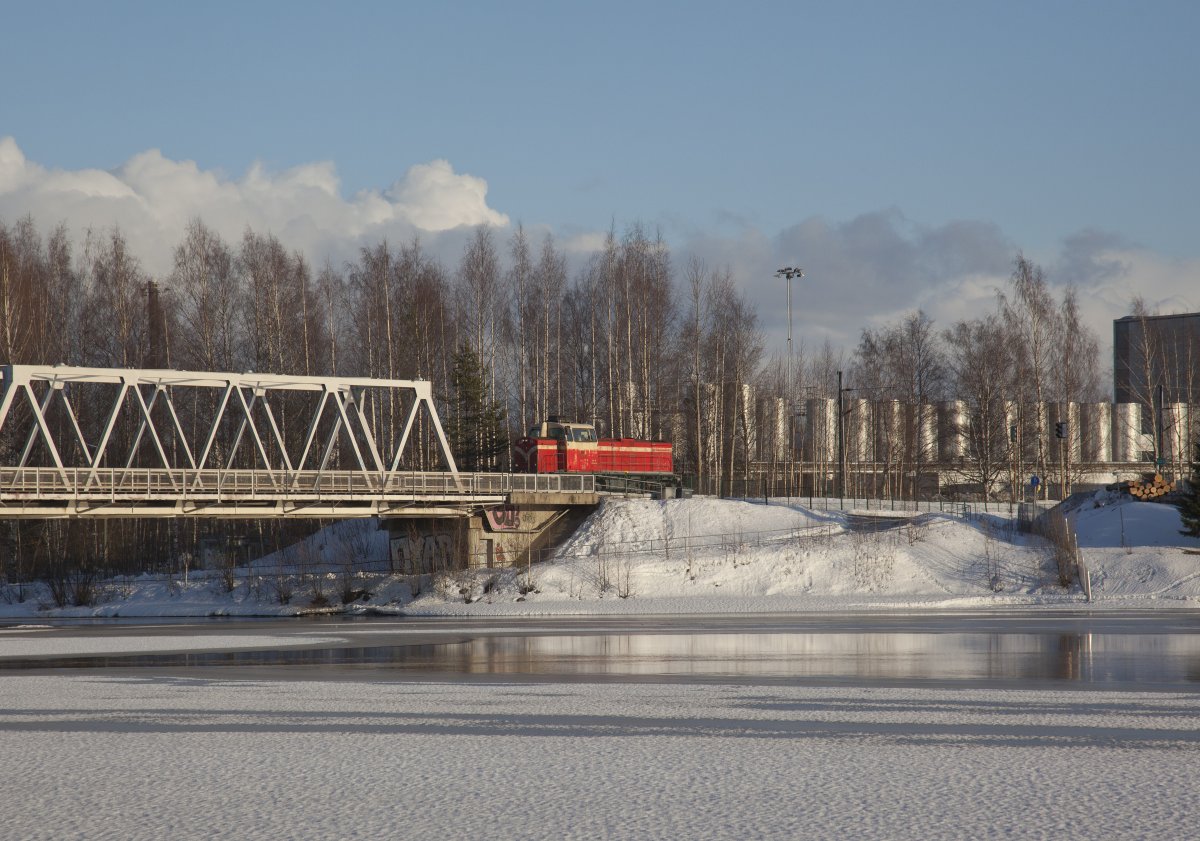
(841, 444)
(1062, 457)
(1061, 431)
(1160, 450)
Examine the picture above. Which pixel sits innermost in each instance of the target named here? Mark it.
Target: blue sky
(901, 151)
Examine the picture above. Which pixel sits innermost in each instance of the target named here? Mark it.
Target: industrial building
(951, 449)
(1153, 352)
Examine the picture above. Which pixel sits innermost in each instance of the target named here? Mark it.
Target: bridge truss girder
(41, 429)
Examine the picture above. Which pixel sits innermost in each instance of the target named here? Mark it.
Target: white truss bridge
(102, 442)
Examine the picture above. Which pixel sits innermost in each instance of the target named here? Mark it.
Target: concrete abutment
(523, 530)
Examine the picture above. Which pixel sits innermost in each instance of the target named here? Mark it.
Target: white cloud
(863, 272)
(1168, 285)
(877, 267)
(585, 243)
(432, 197)
(151, 198)
(860, 272)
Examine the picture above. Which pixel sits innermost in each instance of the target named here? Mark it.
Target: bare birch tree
(1031, 317)
(982, 366)
(204, 282)
(550, 284)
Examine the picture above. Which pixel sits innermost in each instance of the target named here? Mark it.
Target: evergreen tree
(1189, 502)
(475, 427)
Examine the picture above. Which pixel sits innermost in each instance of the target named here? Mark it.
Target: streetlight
(789, 272)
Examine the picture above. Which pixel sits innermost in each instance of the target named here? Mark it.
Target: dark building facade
(1156, 350)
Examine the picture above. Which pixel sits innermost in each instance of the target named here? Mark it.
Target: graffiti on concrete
(422, 553)
(505, 517)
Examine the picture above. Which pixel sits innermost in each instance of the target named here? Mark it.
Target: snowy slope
(645, 556)
(712, 555)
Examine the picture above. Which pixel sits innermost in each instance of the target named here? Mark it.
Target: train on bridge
(558, 446)
(116, 442)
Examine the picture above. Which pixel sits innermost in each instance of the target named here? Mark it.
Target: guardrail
(128, 484)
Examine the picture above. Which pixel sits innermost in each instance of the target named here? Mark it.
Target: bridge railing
(31, 483)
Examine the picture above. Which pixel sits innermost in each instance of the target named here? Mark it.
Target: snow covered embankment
(706, 555)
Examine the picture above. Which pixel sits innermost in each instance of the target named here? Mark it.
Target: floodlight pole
(788, 272)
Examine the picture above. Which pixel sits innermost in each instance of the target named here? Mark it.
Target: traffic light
(1060, 429)
(1012, 433)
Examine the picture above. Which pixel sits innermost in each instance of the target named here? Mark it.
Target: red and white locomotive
(557, 446)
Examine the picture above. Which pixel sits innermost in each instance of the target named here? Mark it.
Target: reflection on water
(853, 656)
(1075, 657)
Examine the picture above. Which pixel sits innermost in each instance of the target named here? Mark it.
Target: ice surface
(156, 757)
(49, 644)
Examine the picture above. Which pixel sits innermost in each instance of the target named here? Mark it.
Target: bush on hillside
(1188, 501)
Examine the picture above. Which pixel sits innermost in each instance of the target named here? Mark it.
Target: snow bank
(639, 556)
(1107, 521)
(710, 555)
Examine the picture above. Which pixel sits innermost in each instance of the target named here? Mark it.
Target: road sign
(1034, 480)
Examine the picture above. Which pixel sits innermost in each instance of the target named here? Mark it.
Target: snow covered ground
(707, 555)
(191, 754)
(107, 757)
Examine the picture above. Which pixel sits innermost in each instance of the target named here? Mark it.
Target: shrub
(1188, 502)
(1064, 549)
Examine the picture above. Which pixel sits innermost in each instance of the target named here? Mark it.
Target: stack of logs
(1148, 489)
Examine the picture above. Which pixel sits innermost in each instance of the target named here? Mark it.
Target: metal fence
(946, 506)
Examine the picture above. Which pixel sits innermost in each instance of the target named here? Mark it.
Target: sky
(902, 154)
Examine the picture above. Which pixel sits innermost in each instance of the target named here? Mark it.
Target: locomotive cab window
(583, 434)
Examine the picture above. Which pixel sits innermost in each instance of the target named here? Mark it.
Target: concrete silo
(1095, 433)
(1130, 443)
(951, 431)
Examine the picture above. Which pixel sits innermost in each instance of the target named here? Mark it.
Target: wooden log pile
(1148, 489)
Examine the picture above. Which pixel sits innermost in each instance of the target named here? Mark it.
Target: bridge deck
(157, 492)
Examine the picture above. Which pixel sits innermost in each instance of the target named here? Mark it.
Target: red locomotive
(562, 447)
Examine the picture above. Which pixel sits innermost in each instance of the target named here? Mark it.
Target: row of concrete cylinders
(1094, 432)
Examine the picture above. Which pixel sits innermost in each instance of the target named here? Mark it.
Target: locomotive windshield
(564, 432)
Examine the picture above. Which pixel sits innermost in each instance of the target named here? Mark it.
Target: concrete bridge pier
(523, 529)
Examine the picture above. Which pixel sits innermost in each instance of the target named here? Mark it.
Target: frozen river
(1035, 725)
(1036, 649)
